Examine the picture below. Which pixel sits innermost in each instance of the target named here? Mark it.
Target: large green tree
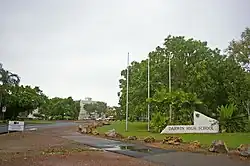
(17, 99)
(196, 69)
(239, 50)
(99, 108)
(60, 108)
(7, 79)
(20, 99)
(24, 99)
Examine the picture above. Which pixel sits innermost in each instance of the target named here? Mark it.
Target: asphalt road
(4, 128)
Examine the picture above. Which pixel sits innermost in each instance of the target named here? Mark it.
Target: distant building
(83, 113)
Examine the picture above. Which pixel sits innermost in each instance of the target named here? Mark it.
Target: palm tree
(8, 78)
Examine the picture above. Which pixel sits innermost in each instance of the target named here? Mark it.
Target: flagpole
(148, 92)
(127, 93)
(169, 85)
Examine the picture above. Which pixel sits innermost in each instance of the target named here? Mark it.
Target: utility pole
(169, 85)
(148, 91)
(127, 93)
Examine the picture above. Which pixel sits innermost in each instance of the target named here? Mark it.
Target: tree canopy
(20, 99)
(203, 79)
(100, 108)
(60, 108)
(239, 50)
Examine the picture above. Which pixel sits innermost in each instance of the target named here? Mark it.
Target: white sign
(16, 126)
(174, 129)
(202, 124)
(4, 109)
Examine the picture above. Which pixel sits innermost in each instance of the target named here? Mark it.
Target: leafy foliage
(181, 103)
(230, 120)
(60, 108)
(22, 100)
(90, 108)
(98, 107)
(7, 77)
(239, 50)
(248, 126)
(202, 79)
(116, 112)
(159, 121)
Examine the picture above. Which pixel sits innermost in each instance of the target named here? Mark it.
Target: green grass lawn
(38, 122)
(32, 122)
(139, 129)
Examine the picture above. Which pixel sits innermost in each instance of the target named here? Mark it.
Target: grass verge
(31, 122)
(2, 122)
(139, 129)
(38, 122)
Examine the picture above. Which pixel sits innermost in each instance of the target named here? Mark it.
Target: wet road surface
(157, 155)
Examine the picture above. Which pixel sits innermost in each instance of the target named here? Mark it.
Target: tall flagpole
(169, 85)
(148, 91)
(127, 93)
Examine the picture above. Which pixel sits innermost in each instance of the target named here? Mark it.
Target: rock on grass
(113, 134)
(149, 139)
(132, 138)
(218, 146)
(171, 140)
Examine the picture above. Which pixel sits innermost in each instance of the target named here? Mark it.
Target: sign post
(3, 111)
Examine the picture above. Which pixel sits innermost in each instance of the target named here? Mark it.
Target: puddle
(133, 148)
(95, 149)
(129, 148)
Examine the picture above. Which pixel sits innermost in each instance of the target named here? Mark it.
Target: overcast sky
(78, 47)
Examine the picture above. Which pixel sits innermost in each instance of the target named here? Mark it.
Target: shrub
(159, 121)
(231, 120)
(248, 126)
(132, 119)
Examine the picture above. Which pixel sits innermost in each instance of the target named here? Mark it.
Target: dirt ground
(46, 148)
